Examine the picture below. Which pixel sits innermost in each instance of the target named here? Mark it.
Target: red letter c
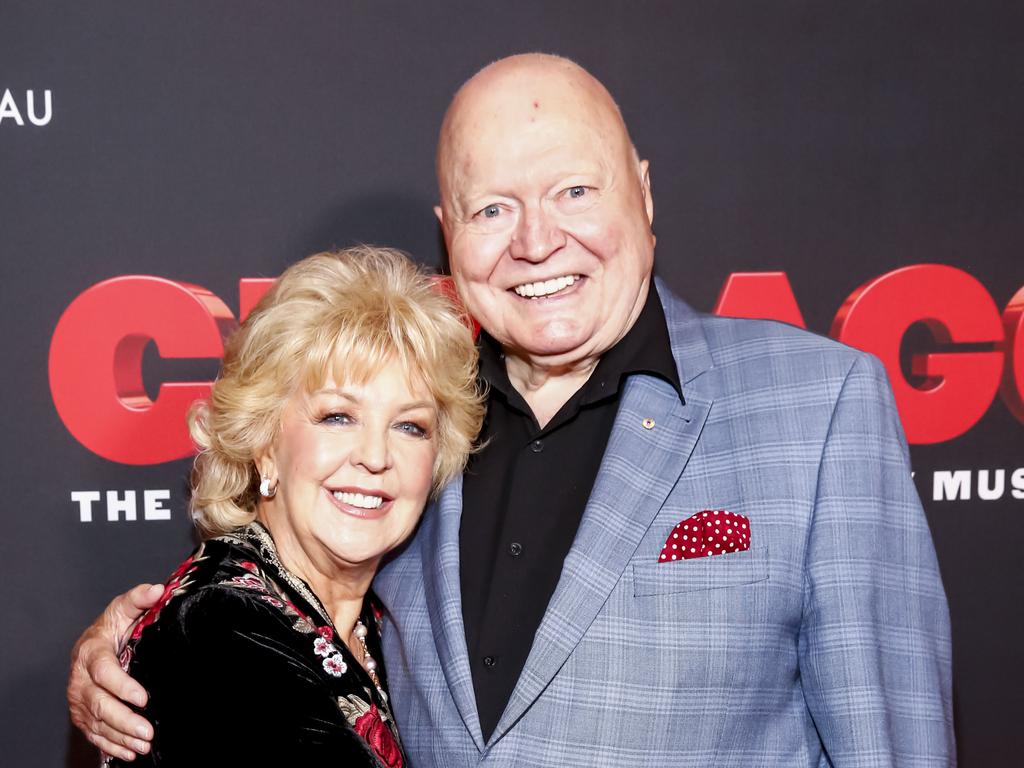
(96, 365)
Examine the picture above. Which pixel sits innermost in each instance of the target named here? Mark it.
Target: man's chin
(560, 348)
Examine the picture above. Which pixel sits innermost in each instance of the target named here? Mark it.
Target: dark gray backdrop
(205, 142)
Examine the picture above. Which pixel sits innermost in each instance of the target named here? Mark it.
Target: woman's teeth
(358, 500)
(545, 287)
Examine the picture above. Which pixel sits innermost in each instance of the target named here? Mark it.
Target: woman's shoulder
(223, 586)
(229, 653)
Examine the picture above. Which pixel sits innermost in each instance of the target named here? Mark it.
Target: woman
(344, 400)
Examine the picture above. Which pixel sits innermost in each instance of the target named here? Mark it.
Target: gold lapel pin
(648, 423)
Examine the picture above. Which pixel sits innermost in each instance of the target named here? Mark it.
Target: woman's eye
(490, 212)
(576, 192)
(336, 417)
(412, 428)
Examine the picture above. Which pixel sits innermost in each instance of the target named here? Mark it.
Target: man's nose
(536, 236)
(372, 450)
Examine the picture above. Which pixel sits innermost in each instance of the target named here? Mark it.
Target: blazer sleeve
(232, 689)
(874, 649)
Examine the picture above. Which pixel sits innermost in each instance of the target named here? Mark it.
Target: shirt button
(515, 549)
(490, 661)
(537, 446)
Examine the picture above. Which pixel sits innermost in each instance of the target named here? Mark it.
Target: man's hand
(98, 685)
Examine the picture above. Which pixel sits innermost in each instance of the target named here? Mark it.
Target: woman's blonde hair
(346, 314)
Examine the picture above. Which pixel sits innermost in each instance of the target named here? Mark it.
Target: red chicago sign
(96, 351)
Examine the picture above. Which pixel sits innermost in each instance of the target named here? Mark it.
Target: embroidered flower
(353, 707)
(125, 656)
(247, 581)
(325, 632)
(335, 665)
(272, 600)
(374, 732)
(249, 565)
(324, 647)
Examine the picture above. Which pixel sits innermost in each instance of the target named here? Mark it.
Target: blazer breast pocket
(732, 570)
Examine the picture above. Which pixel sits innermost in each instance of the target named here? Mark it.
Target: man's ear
(645, 185)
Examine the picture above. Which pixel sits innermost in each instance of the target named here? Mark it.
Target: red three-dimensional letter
(1013, 374)
(957, 309)
(250, 291)
(446, 286)
(96, 365)
(763, 295)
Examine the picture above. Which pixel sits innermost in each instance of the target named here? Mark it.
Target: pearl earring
(265, 490)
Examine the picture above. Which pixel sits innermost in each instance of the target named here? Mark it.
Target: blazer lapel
(444, 603)
(651, 441)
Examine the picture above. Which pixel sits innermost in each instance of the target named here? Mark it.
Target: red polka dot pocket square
(711, 532)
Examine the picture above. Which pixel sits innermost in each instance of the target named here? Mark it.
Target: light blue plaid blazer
(825, 644)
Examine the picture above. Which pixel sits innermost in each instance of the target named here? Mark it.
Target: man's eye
(576, 192)
(412, 428)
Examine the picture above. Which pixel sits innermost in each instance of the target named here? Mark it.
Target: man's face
(547, 213)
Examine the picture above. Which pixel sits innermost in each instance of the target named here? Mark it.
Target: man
(532, 620)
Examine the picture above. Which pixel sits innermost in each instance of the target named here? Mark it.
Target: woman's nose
(372, 450)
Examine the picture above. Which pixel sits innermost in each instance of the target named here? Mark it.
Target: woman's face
(354, 464)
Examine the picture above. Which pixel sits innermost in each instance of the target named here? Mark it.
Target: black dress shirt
(523, 498)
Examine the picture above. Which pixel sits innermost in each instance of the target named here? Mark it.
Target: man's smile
(545, 287)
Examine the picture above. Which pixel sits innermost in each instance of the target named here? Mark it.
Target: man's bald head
(521, 89)
(546, 211)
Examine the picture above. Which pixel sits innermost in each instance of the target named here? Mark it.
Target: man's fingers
(106, 672)
(126, 608)
(118, 719)
(144, 596)
(121, 741)
(91, 720)
(110, 748)
(97, 678)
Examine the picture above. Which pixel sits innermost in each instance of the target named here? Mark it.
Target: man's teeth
(545, 287)
(358, 500)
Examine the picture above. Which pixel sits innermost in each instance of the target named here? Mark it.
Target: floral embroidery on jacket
(247, 581)
(368, 722)
(335, 665)
(324, 647)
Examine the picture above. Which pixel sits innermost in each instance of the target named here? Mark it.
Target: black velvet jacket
(243, 669)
